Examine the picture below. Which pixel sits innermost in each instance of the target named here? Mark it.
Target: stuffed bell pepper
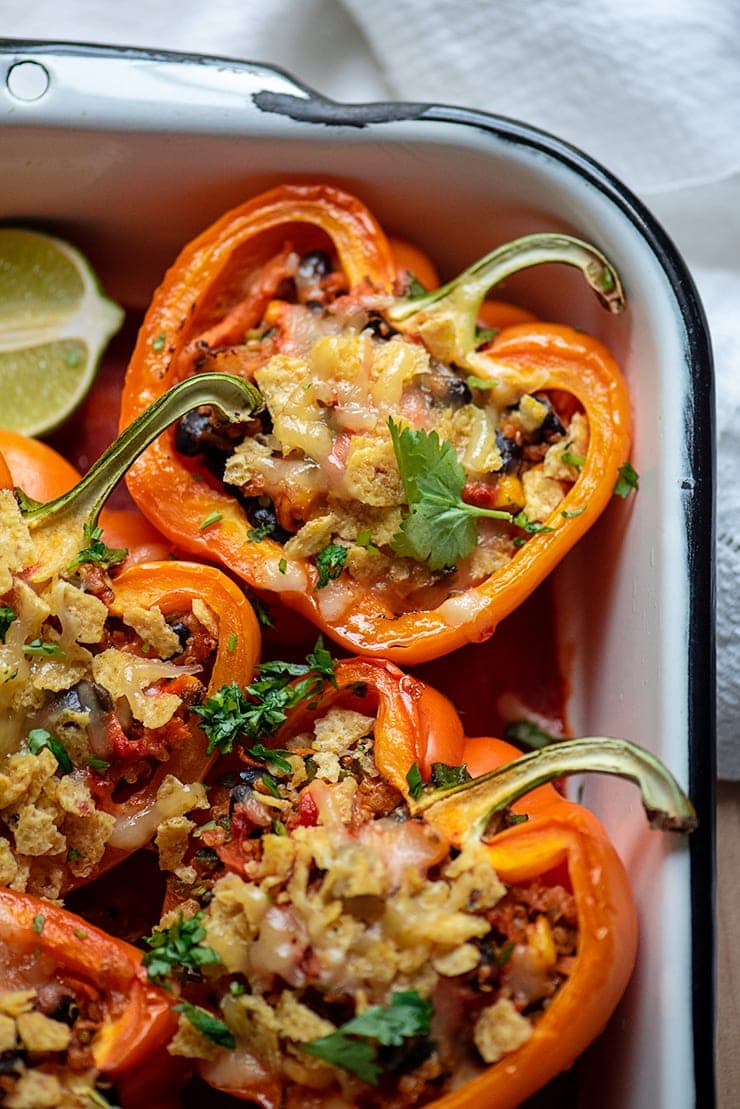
(100, 672)
(81, 1025)
(412, 476)
(388, 913)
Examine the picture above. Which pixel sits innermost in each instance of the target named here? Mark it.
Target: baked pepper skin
(201, 299)
(556, 833)
(173, 586)
(417, 725)
(136, 1019)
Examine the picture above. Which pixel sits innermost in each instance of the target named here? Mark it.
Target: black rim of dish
(699, 491)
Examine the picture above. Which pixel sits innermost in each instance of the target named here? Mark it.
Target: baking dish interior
(131, 180)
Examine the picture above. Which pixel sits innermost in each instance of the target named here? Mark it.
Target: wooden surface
(728, 937)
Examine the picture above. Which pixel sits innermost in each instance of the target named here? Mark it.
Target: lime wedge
(55, 323)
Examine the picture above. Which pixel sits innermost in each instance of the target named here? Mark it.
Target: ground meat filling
(92, 704)
(323, 900)
(46, 1039)
(318, 471)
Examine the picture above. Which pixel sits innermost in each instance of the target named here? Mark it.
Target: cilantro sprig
(7, 616)
(38, 738)
(178, 949)
(209, 1026)
(355, 1047)
(628, 480)
(441, 527)
(330, 563)
(233, 712)
(96, 551)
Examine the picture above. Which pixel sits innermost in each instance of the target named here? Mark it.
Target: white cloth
(650, 88)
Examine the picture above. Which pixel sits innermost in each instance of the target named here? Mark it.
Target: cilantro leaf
(330, 563)
(7, 616)
(355, 1056)
(177, 949)
(628, 480)
(256, 534)
(39, 648)
(259, 709)
(209, 1026)
(530, 526)
(444, 775)
(440, 527)
(267, 754)
(528, 734)
(96, 551)
(39, 738)
(415, 781)
(408, 1015)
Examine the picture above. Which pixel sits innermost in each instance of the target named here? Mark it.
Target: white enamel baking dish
(129, 153)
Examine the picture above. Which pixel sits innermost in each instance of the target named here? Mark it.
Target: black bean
(182, 631)
(551, 424)
(511, 454)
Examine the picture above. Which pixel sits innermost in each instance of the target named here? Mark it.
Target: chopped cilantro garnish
(354, 1046)
(530, 526)
(39, 738)
(283, 566)
(415, 287)
(211, 518)
(444, 775)
(100, 765)
(7, 616)
(330, 563)
(415, 781)
(266, 754)
(158, 343)
(259, 709)
(365, 539)
(73, 854)
(270, 785)
(571, 459)
(575, 512)
(628, 480)
(481, 382)
(96, 551)
(484, 336)
(38, 648)
(178, 949)
(254, 535)
(38, 923)
(440, 527)
(260, 611)
(209, 1026)
(231, 643)
(527, 734)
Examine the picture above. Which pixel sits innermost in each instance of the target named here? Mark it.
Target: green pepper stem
(462, 297)
(478, 801)
(234, 398)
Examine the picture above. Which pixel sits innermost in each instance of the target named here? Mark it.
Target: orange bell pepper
(56, 957)
(218, 628)
(531, 836)
(228, 282)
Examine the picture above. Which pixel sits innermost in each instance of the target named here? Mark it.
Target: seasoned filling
(47, 1033)
(353, 956)
(92, 705)
(319, 473)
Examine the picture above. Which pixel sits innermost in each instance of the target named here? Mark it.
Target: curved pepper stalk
(58, 526)
(477, 803)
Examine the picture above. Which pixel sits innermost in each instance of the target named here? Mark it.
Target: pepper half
(80, 1003)
(506, 818)
(100, 669)
(223, 305)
